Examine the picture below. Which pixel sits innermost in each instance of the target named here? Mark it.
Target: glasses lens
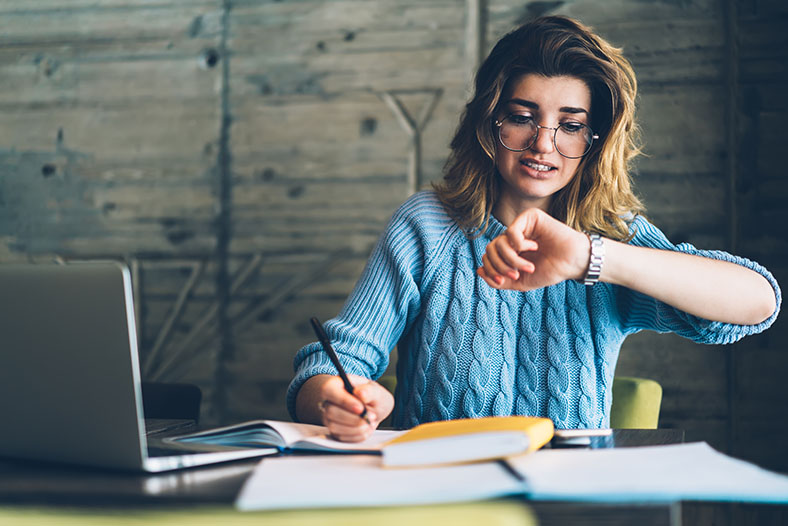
(517, 132)
(573, 139)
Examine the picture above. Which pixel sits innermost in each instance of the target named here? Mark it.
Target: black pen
(510, 470)
(324, 341)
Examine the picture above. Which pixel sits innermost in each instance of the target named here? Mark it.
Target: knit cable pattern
(557, 375)
(580, 328)
(451, 342)
(606, 346)
(479, 370)
(503, 402)
(527, 377)
(429, 333)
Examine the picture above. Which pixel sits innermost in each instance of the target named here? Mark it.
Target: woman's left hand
(536, 251)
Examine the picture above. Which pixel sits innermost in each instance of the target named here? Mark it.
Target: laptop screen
(69, 381)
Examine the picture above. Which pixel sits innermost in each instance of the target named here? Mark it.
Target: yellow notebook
(467, 440)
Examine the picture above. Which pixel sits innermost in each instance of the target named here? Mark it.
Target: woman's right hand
(535, 251)
(323, 399)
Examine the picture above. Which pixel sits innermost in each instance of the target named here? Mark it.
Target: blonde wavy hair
(599, 198)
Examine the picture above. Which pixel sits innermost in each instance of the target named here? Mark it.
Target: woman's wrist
(596, 260)
(583, 257)
(308, 399)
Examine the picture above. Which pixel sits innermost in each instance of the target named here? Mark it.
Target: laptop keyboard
(161, 426)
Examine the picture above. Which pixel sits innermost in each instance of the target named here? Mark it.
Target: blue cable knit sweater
(468, 350)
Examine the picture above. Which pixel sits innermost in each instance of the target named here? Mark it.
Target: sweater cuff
(725, 333)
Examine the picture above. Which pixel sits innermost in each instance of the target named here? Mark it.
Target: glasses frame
(499, 125)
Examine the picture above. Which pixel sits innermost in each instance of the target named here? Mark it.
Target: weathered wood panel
(761, 400)
(107, 114)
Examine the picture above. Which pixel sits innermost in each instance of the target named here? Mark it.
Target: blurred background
(243, 156)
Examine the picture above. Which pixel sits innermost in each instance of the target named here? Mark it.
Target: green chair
(636, 401)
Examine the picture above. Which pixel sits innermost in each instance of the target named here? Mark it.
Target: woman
(525, 319)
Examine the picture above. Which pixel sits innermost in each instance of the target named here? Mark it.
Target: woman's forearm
(707, 288)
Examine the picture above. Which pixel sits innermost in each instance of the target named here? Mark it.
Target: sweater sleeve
(639, 311)
(384, 301)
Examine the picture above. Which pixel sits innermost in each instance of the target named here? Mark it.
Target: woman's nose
(544, 141)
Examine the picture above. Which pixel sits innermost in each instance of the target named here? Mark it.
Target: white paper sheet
(640, 474)
(359, 480)
(693, 471)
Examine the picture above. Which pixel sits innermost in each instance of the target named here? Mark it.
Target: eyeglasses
(519, 132)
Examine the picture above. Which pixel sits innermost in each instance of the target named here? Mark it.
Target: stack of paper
(693, 471)
(644, 474)
(360, 480)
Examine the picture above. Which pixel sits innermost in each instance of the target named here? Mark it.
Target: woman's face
(530, 178)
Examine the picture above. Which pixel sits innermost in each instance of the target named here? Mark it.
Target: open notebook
(433, 443)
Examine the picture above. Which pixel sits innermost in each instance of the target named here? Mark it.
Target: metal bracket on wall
(196, 269)
(157, 370)
(257, 308)
(169, 359)
(412, 126)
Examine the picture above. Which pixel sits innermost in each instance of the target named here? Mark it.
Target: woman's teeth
(537, 166)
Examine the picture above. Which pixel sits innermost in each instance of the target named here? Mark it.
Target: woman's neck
(508, 208)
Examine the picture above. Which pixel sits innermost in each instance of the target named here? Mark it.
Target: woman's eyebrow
(534, 106)
(569, 109)
(526, 103)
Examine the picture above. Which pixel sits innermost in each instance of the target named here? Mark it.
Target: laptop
(70, 387)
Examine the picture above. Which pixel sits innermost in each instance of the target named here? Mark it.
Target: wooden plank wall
(244, 155)
(759, 365)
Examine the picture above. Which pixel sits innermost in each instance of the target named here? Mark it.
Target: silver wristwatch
(596, 260)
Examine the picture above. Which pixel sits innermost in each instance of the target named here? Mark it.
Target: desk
(215, 487)
(211, 490)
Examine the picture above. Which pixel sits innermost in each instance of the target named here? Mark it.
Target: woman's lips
(537, 169)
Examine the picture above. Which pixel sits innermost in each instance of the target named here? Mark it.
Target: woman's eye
(521, 119)
(572, 127)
